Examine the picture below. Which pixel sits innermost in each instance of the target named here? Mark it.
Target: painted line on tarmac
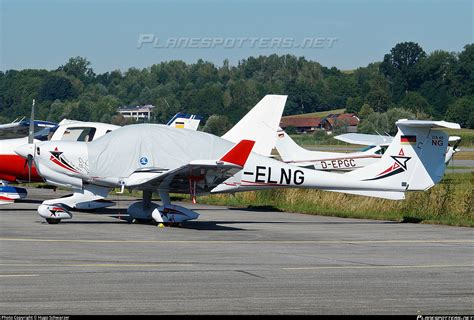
(100, 265)
(17, 275)
(381, 267)
(244, 241)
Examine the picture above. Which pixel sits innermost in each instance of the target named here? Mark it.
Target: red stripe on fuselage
(62, 165)
(13, 168)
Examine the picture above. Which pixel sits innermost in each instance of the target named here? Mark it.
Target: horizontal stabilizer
(364, 139)
(427, 124)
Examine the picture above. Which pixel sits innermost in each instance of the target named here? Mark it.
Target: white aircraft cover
(139, 147)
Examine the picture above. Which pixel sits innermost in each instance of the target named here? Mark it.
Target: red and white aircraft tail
(414, 161)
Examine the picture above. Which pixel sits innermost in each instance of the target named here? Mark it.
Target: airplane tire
(53, 221)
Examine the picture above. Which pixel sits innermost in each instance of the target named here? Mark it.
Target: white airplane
(378, 141)
(162, 159)
(261, 121)
(14, 168)
(291, 153)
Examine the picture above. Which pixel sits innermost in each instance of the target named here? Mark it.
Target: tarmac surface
(230, 261)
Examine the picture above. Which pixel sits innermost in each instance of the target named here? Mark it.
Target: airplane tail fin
(260, 124)
(288, 149)
(291, 152)
(185, 121)
(415, 158)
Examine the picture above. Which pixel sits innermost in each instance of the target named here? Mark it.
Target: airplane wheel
(53, 221)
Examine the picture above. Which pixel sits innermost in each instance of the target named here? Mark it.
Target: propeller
(31, 136)
(457, 141)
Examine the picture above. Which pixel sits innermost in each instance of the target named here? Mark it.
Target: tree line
(438, 85)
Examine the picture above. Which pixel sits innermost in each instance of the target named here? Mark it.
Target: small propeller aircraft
(157, 158)
(14, 168)
(290, 152)
(59, 166)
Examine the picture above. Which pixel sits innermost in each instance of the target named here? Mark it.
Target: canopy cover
(125, 150)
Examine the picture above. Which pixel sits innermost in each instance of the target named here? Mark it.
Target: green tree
(354, 104)
(464, 73)
(415, 102)
(384, 123)
(291, 130)
(217, 125)
(401, 65)
(462, 112)
(78, 67)
(395, 114)
(365, 111)
(57, 87)
(374, 123)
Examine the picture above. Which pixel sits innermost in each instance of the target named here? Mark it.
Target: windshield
(45, 134)
(79, 134)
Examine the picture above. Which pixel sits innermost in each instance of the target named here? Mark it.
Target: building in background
(344, 122)
(139, 113)
(301, 124)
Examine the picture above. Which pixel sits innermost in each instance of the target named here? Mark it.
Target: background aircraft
(185, 121)
(290, 152)
(20, 128)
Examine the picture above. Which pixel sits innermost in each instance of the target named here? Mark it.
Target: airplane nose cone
(25, 150)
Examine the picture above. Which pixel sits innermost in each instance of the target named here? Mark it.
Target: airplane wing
(365, 139)
(9, 125)
(19, 129)
(197, 175)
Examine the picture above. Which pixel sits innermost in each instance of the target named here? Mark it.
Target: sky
(122, 34)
